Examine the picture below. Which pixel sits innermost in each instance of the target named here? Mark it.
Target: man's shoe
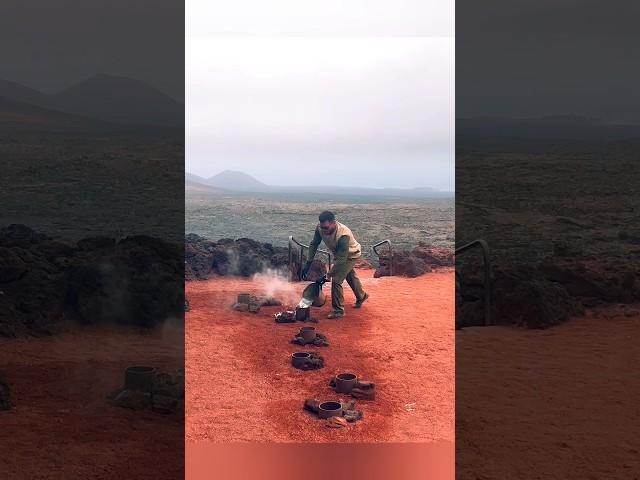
(361, 301)
(335, 314)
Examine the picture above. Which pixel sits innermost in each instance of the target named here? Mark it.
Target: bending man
(346, 250)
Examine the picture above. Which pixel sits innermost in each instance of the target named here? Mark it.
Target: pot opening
(139, 369)
(330, 406)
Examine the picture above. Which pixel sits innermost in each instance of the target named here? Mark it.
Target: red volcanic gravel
(557, 404)
(63, 427)
(241, 386)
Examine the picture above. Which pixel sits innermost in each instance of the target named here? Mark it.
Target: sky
(533, 58)
(51, 45)
(331, 95)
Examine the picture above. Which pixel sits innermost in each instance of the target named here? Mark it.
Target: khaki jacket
(331, 241)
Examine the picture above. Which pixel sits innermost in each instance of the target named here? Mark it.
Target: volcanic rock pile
(362, 390)
(547, 294)
(320, 340)
(420, 260)
(5, 396)
(252, 303)
(289, 316)
(44, 282)
(350, 413)
(165, 394)
(314, 362)
(243, 257)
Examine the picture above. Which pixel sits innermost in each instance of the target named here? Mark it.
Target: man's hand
(322, 280)
(305, 270)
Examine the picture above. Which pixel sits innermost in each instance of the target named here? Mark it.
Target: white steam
(274, 283)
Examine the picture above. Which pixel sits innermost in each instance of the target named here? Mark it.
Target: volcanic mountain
(120, 100)
(20, 116)
(109, 98)
(234, 181)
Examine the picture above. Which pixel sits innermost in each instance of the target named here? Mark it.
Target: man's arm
(313, 247)
(342, 253)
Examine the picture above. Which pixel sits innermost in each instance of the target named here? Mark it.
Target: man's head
(327, 222)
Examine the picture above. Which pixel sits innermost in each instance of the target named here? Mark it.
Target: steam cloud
(274, 283)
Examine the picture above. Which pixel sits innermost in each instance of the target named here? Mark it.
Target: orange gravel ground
(556, 404)
(241, 386)
(62, 426)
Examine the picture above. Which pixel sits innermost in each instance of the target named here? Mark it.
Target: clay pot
(345, 382)
(330, 409)
(139, 378)
(298, 359)
(308, 334)
(302, 313)
(244, 298)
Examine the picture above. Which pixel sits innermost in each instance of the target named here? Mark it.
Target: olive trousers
(342, 272)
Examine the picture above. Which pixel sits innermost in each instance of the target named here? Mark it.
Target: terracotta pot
(330, 409)
(345, 382)
(298, 359)
(308, 334)
(302, 313)
(139, 378)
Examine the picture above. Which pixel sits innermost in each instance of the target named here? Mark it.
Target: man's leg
(337, 293)
(356, 285)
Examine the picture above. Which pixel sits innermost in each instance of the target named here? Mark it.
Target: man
(346, 250)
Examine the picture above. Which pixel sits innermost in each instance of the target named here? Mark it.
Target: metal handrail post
(302, 247)
(375, 250)
(487, 274)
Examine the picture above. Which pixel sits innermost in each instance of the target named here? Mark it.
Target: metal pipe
(375, 250)
(487, 274)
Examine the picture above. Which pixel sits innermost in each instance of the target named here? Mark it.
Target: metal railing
(302, 246)
(375, 250)
(487, 274)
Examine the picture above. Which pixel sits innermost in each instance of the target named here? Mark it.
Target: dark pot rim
(346, 376)
(140, 369)
(330, 406)
(300, 355)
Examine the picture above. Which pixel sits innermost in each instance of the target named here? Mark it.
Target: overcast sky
(295, 95)
(532, 58)
(51, 45)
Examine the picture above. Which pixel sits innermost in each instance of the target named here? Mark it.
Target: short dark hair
(326, 216)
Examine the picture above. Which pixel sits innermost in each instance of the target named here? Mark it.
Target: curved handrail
(375, 250)
(487, 274)
(302, 247)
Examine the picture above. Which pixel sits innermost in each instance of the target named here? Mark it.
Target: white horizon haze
(365, 111)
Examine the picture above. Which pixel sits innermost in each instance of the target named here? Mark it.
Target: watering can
(313, 292)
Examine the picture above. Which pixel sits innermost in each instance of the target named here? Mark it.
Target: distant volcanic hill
(19, 93)
(240, 182)
(120, 100)
(16, 116)
(108, 98)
